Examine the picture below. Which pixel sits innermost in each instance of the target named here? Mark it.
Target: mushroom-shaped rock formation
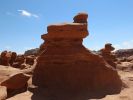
(66, 70)
(106, 52)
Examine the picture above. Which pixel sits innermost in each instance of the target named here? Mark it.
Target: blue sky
(23, 21)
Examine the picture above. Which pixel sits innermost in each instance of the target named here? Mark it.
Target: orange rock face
(67, 70)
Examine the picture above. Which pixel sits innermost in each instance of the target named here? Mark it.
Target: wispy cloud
(27, 14)
(124, 45)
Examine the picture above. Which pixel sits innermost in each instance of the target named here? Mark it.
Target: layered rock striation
(66, 70)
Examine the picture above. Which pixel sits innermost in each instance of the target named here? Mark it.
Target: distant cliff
(32, 52)
(124, 52)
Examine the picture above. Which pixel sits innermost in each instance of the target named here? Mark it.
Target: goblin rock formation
(13, 58)
(5, 58)
(66, 70)
(107, 55)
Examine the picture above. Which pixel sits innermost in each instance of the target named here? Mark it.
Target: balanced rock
(106, 52)
(66, 70)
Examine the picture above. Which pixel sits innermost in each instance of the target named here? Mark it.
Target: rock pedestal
(67, 70)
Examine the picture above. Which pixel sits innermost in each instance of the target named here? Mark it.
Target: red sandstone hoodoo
(67, 70)
(107, 54)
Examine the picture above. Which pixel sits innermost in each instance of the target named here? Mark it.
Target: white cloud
(27, 14)
(124, 45)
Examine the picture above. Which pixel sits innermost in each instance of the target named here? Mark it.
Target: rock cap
(81, 18)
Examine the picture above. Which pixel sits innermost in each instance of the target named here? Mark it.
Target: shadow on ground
(46, 94)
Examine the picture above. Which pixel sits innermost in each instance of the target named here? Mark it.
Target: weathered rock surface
(66, 70)
(3, 93)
